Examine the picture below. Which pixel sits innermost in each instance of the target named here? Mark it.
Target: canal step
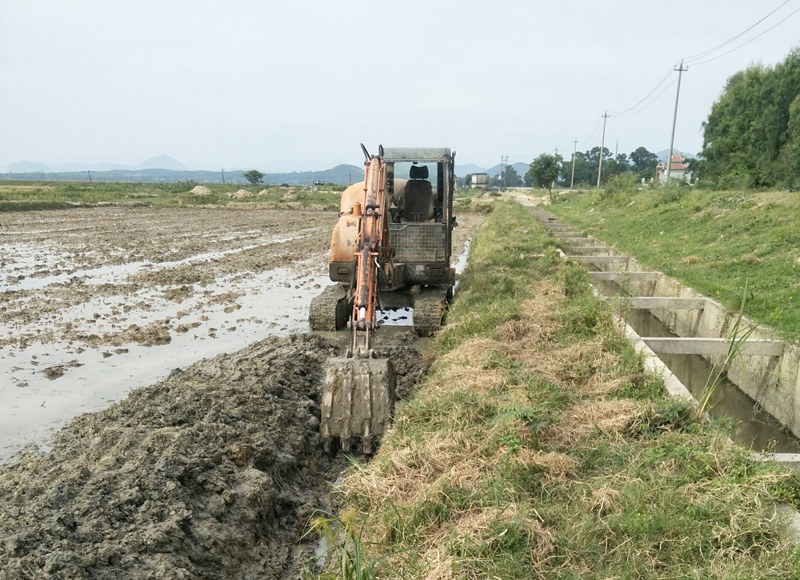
(769, 374)
(713, 346)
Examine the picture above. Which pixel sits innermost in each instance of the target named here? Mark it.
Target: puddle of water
(30, 259)
(271, 303)
(32, 406)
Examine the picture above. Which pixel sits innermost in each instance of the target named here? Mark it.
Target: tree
(585, 171)
(510, 178)
(544, 171)
(617, 165)
(643, 163)
(748, 138)
(254, 176)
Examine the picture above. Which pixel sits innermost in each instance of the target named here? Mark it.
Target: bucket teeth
(357, 400)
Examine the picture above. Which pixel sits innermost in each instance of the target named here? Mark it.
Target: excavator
(390, 248)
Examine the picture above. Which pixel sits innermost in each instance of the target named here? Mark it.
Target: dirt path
(97, 302)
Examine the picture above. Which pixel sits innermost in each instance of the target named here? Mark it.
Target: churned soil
(213, 472)
(215, 468)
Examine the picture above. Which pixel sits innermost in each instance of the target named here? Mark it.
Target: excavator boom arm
(371, 252)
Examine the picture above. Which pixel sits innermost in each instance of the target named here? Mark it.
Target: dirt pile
(201, 190)
(210, 473)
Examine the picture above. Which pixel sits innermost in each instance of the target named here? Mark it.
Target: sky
(299, 84)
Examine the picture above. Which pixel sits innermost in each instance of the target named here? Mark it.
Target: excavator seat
(418, 197)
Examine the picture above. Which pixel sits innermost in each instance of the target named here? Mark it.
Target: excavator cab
(417, 197)
(390, 248)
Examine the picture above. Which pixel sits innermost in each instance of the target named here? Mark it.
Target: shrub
(623, 184)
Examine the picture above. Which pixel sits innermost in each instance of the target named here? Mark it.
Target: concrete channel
(684, 334)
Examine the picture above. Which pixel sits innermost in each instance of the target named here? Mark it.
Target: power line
(710, 51)
(593, 134)
(655, 88)
(658, 96)
(749, 41)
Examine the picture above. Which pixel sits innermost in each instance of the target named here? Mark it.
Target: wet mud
(96, 302)
(214, 469)
(213, 472)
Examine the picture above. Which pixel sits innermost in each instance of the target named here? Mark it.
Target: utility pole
(602, 148)
(680, 70)
(90, 175)
(223, 176)
(574, 153)
(503, 163)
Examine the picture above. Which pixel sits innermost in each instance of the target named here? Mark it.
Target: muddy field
(215, 469)
(97, 302)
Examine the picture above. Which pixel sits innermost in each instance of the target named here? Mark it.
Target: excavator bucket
(357, 400)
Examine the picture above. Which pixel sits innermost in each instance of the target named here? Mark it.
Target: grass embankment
(36, 195)
(713, 241)
(538, 448)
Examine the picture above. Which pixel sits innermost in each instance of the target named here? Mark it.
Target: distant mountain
(521, 168)
(161, 162)
(341, 175)
(468, 169)
(26, 167)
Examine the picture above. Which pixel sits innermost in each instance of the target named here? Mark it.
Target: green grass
(34, 195)
(510, 462)
(714, 241)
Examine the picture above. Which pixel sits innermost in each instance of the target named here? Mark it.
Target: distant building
(479, 181)
(679, 169)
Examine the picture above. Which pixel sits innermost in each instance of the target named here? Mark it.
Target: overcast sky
(297, 85)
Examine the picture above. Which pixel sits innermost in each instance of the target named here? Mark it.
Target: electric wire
(710, 51)
(694, 60)
(655, 88)
(657, 97)
(593, 134)
(748, 42)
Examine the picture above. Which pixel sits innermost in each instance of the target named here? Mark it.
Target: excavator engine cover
(357, 400)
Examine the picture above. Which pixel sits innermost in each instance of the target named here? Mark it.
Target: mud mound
(239, 194)
(201, 190)
(211, 473)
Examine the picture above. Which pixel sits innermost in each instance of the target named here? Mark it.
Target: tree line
(751, 138)
(752, 135)
(547, 169)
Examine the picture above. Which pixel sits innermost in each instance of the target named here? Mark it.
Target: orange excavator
(391, 244)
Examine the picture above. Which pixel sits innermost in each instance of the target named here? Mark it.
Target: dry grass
(481, 526)
(473, 351)
(539, 319)
(471, 378)
(555, 465)
(609, 417)
(604, 499)
(514, 461)
(417, 470)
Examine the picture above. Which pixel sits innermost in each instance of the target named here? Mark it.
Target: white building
(679, 169)
(479, 181)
